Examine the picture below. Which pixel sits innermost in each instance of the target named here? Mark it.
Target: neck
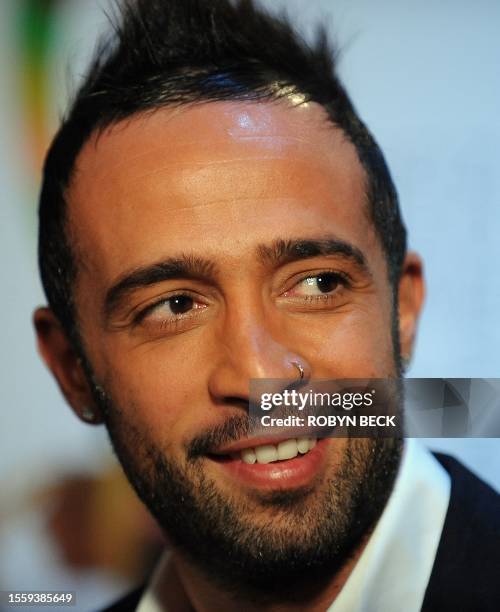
(183, 587)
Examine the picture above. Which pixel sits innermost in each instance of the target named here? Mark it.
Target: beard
(281, 545)
(278, 546)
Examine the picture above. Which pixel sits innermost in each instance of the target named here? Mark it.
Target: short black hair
(164, 53)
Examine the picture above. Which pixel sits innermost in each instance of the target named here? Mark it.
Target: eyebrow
(184, 266)
(279, 252)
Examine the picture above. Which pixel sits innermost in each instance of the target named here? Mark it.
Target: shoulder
(467, 564)
(127, 603)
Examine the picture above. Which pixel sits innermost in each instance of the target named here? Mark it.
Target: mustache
(232, 430)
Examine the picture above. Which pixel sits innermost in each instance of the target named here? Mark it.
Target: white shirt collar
(395, 566)
(394, 569)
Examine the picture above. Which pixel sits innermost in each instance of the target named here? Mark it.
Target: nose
(253, 349)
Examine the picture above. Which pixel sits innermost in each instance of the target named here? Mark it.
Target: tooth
(266, 453)
(312, 443)
(248, 455)
(302, 445)
(287, 449)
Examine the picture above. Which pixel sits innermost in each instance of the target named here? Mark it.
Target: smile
(286, 463)
(269, 453)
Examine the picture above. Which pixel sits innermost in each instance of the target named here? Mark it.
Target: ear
(411, 298)
(64, 363)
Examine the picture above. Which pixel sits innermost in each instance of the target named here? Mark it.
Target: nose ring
(299, 368)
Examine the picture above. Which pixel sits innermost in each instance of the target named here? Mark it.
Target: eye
(170, 310)
(318, 285)
(180, 304)
(317, 290)
(323, 283)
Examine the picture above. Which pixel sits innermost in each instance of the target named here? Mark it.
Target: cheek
(156, 390)
(354, 344)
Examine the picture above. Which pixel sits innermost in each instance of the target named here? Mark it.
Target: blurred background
(425, 78)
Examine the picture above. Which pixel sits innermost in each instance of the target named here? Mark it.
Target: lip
(291, 473)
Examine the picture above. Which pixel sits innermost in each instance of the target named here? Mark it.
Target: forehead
(172, 178)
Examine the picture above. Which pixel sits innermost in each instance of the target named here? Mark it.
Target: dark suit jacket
(466, 572)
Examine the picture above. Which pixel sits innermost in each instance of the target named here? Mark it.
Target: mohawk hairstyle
(164, 53)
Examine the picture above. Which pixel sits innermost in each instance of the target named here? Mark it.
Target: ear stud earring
(405, 362)
(87, 413)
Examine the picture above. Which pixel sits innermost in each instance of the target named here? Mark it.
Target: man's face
(207, 241)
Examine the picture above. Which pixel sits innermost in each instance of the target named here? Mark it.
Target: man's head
(213, 211)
